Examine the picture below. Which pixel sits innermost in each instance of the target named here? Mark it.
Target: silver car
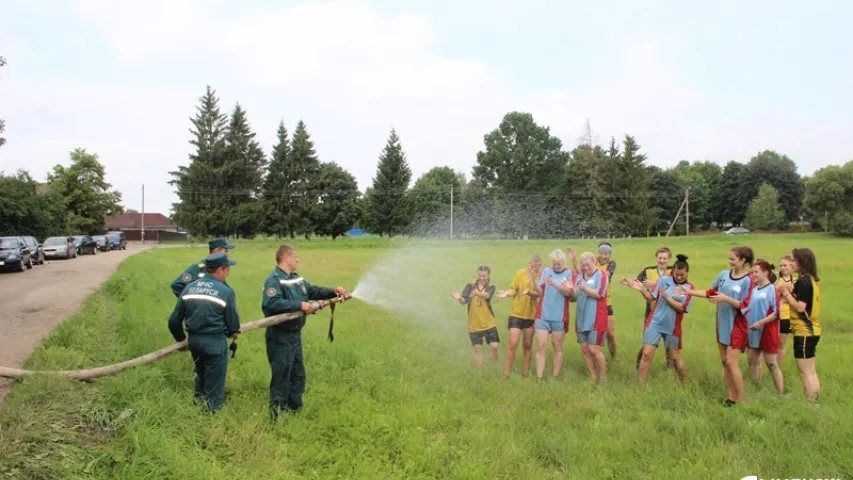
(59, 247)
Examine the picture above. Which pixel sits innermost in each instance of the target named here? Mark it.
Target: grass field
(396, 395)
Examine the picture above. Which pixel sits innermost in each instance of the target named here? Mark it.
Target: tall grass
(397, 396)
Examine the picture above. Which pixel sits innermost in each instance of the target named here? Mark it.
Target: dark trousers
(210, 357)
(287, 384)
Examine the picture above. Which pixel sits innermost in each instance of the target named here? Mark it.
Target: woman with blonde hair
(552, 312)
(787, 278)
(590, 293)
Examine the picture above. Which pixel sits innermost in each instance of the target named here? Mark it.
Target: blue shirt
(739, 290)
(664, 318)
(553, 305)
(764, 301)
(592, 313)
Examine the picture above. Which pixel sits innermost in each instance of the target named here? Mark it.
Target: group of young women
(756, 311)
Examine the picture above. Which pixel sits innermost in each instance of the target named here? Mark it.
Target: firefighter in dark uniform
(197, 270)
(209, 307)
(285, 291)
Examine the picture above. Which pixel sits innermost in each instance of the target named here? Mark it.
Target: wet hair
(557, 255)
(535, 258)
(605, 247)
(766, 266)
(664, 250)
(744, 253)
(587, 256)
(485, 268)
(681, 262)
(806, 262)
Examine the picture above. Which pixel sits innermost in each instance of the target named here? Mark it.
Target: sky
(122, 79)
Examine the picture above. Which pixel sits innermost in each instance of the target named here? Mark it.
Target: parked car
(14, 254)
(103, 242)
(59, 247)
(736, 231)
(35, 249)
(85, 244)
(117, 240)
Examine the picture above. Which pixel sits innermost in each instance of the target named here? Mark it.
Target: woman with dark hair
(665, 318)
(804, 301)
(481, 317)
(649, 277)
(735, 283)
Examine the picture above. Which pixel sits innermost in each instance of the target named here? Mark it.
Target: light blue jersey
(553, 305)
(730, 318)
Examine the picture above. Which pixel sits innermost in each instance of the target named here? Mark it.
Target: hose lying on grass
(107, 370)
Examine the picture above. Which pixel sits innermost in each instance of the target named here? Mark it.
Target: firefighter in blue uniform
(209, 307)
(285, 291)
(197, 270)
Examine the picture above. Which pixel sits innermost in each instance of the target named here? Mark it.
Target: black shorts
(804, 347)
(520, 323)
(610, 310)
(490, 336)
(785, 326)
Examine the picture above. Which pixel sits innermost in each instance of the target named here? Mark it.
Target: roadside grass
(396, 395)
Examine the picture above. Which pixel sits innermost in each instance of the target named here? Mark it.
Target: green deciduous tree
(764, 211)
(780, 172)
(388, 208)
(339, 208)
(730, 199)
(522, 162)
(430, 201)
(88, 195)
(829, 195)
(666, 197)
(26, 209)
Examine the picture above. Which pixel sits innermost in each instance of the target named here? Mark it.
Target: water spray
(107, 370)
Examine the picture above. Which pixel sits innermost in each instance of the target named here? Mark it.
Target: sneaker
(729, 403)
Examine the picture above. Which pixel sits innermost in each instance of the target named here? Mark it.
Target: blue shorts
(549, 325)
(653, 337)
(592, 337)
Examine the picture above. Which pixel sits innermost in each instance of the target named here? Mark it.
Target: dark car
(59, 247)
(35, 249)
(103, 242)
(14, 254)
(85, 244)
(117, 240)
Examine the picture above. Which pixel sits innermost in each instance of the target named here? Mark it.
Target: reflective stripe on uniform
(290, 281)
(207, 298)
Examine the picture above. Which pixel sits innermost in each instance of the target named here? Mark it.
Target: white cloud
(351, 72)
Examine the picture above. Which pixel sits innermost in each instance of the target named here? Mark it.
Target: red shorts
(770, 338)
(740, 334)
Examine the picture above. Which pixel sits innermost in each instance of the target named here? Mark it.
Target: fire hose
(107, 370)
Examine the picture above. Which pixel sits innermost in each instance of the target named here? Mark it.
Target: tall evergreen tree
(305, 168)
(631, 182)
(278, 188)
(200, 185)
(388, 201)
(242, 175)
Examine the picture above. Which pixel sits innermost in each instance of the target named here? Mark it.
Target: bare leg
(511, 347)
(645, 362)
(735, 374)
(527, 355)
(478, 355)
(611, 337)
(588, 360)
(678, 363)
(557, 343)
(541, 346)
(775, 372)
(808, 374)
(493, 347)
(727, 379)
(753, 358)
(599, 361)
(783, 337)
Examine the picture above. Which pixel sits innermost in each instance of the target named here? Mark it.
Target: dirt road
(34, 301)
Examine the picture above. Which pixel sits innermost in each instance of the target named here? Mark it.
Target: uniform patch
(304, 290)
(187, 277)
(270, 292)
(200, 275)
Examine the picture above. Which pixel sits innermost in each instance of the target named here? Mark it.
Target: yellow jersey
(480, 314)
(522, 306)
(785, 309)
(806, 323)
(609, 268)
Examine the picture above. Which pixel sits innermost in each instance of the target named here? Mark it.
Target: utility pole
(451, 211)
(143, 213)
(687, 210)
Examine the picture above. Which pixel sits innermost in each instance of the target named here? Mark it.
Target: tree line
(73, 200)
(524, 184)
